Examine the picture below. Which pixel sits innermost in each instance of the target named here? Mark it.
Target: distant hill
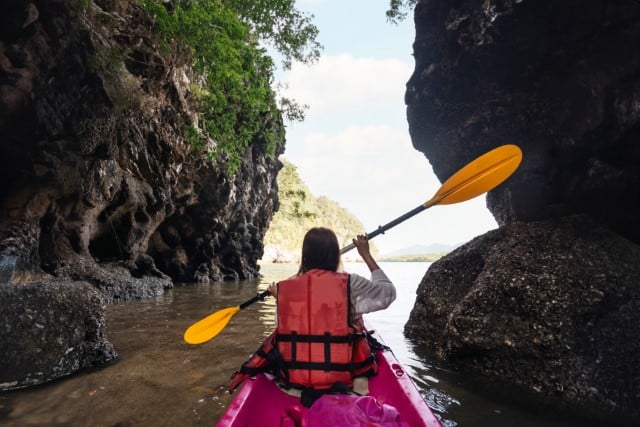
(434, 248)
(300, 210)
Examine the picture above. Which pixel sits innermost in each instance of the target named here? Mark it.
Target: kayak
(261, 403)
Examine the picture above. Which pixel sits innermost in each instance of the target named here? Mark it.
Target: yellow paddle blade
(207, 328)
(478, 176)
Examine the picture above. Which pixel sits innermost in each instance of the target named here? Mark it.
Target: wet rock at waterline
(553, 306)
(49, 330)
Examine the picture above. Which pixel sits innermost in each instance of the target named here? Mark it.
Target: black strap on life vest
(279, 368)
(324, 338)
(327, 351)
(327, 339)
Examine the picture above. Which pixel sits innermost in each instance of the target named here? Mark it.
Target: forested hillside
(299, 211)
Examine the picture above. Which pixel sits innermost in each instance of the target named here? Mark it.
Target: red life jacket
(314, 335)
(314, 344)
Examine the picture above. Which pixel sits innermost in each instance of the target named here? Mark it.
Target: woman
(320, 250)
(320, 342)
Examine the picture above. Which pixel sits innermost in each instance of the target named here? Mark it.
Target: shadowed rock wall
(559, 79)
(94, 151)
(551, 300)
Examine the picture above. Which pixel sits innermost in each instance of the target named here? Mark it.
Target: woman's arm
(371, 295)
(362, 244)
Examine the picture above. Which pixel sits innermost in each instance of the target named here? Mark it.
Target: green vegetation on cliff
(236, 104)
(301, 210)
(399, 9)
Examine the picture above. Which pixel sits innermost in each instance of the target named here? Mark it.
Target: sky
(354, 145)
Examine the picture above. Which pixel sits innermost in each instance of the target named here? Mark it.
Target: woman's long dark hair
(320, 250)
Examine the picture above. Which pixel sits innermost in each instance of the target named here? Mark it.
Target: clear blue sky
(354, 146)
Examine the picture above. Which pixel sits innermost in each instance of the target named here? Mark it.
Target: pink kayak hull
(260, 403)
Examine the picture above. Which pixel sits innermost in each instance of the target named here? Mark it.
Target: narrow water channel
(161, 381)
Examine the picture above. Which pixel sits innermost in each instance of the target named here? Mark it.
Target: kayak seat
(360, 387)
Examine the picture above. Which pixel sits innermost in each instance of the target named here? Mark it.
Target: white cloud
(373, 172)
(342, 82)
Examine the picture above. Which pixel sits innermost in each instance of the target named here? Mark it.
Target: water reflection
(159, 379)
(267, 309)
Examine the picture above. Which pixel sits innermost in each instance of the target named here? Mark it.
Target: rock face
(550, 300)
(550, 305)
(558, 79)
(99, 183)
(48, 330)
(99, 169)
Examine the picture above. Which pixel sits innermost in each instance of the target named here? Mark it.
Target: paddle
(212, 325)
(476, 178)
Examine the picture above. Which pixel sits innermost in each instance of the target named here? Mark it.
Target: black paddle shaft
(260, 297)
(382, 228)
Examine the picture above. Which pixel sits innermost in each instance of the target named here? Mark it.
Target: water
(162, 381)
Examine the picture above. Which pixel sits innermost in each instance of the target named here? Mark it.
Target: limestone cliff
(551, 300)
(98, 182)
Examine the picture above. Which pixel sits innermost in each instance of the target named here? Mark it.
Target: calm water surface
(162, 381)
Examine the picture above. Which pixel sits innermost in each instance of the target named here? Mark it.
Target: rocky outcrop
(99, 182)
(49, 329)
(93, 146)
(549, 305)
(562, 81)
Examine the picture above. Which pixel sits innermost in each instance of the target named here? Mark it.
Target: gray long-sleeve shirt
(371, 295)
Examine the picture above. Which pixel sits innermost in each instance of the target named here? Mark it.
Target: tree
(399, 9)
(279, 24)
(300, 210)
(290, 32)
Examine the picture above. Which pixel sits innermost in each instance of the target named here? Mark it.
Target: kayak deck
(260, 402)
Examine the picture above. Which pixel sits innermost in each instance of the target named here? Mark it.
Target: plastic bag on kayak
(346, 410)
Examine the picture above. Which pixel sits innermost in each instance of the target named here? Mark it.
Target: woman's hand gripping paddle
(476, 178)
